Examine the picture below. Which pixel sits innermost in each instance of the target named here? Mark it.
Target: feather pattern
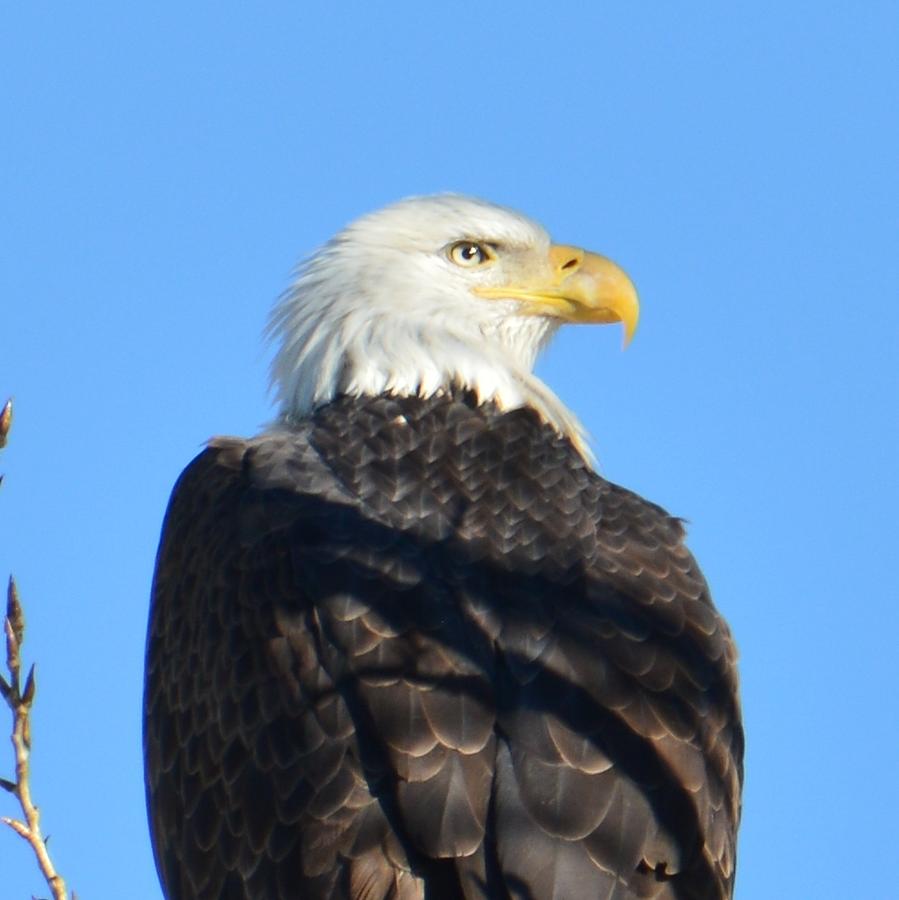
(415, 647)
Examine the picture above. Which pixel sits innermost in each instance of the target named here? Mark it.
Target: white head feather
(381, 308)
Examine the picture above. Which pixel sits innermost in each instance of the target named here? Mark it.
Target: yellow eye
(469, 254)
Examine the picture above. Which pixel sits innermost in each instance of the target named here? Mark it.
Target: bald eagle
(406, 642)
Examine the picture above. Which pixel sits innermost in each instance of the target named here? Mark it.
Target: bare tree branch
(19, 699)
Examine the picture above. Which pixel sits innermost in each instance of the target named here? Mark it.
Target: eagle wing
(415, 651)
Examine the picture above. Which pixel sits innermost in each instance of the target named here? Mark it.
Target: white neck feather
(356, 322)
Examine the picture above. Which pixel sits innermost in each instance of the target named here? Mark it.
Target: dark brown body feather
(418, 649)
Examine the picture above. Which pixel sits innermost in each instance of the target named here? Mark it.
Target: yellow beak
(581, 287)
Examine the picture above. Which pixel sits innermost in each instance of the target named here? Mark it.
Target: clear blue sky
(163, 166)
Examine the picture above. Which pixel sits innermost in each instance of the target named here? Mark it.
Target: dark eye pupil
(468, 253)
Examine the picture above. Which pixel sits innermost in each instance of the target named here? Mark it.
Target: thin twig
(19, 699)
(5, 422)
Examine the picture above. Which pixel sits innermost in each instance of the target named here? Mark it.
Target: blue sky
(161, 170)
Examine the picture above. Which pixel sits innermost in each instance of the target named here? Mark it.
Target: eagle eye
(469, 254)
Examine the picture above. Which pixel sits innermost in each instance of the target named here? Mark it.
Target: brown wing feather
(417, 649)
(255, 782)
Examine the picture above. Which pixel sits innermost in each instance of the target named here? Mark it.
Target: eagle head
(438, 292)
